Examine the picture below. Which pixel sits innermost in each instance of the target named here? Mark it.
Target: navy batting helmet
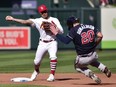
(71, 20)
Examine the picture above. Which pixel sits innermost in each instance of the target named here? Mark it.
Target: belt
(86, 55)
(46, 41)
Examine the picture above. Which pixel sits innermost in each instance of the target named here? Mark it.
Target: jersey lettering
(87, 37)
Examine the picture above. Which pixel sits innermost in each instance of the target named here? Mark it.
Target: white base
(21, 79)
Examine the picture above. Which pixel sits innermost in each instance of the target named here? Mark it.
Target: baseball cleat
(94, 77)
(34, 75)
(107, 72)
(50, 78)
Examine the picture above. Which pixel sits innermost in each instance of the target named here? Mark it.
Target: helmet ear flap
(70, 25)
(70, 22)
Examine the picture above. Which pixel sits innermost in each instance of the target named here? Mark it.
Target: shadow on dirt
(102, 84)
(63, 79)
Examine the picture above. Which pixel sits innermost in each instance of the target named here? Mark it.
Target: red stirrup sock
(53, 64)
(37, 68)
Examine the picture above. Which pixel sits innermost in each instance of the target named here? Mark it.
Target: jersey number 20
(87, 37)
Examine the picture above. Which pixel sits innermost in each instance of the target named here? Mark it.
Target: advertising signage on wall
(108, 28)
(14, 37)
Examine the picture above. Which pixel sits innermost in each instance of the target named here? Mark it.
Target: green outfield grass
(22, 62)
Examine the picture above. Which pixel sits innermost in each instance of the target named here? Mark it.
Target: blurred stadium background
(89, 12)
(18, 42)
(100, 14)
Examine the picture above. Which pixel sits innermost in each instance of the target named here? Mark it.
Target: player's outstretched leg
(107, 72)
(35, 73)
(94, 77)
(102, 68)
(86, 71)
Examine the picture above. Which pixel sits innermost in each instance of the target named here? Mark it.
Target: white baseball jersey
(46, 35)
(47, 39)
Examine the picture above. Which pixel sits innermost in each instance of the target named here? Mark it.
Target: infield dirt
(62, 80)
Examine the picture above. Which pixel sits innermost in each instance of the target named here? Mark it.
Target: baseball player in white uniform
(47, 41)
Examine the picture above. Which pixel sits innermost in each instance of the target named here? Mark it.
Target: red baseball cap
(42, 8)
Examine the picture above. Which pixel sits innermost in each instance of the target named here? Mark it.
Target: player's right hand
(54, 28)
(9, 18)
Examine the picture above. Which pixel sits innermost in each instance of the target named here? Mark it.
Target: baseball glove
(46, 25)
